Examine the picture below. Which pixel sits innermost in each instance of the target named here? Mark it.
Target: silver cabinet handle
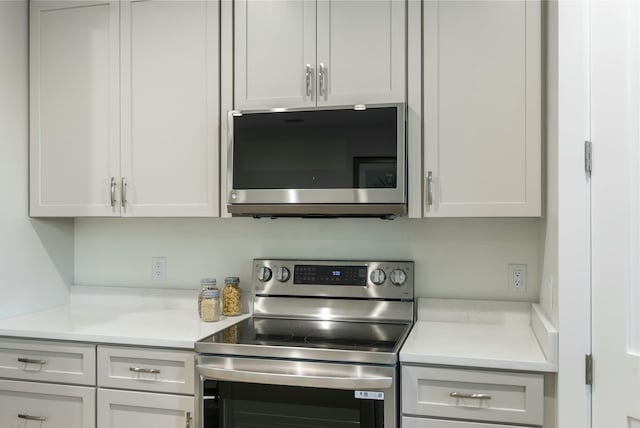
(307, 79)
(141, 370)
(334, 382)
(429, 188)
(113, 192)
(124, 192)
(322, 79)
(30, 361)
(472, 396)
(189, 419)
(32, 418)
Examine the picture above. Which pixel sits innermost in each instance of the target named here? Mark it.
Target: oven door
(266, 393)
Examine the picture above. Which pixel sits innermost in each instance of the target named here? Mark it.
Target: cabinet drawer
(32, 404)
(48, 361)
(445, 392)
(440, 423)
(146, 369)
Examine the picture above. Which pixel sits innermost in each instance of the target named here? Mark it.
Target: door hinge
(588, 366)
(588, 157)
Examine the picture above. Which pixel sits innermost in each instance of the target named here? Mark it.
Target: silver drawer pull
(30, 361)
(32, 418)
(141, 370)
(472, 396)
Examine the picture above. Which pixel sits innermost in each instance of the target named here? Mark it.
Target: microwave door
(336, 156)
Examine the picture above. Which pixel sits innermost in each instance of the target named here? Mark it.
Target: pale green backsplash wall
(36, 255)
(455, 258)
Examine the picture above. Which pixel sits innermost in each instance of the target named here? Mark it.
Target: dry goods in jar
(205, 284)
(210, 305)
(231, 297)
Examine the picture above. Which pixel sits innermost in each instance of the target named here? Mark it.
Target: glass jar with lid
(231, 296)
(205, 284)
(210, 305)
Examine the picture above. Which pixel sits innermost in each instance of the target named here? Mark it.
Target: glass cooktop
(272, 337)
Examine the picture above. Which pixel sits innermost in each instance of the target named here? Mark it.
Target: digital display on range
(330, 275)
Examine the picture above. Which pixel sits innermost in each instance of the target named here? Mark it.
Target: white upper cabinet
(482, 108)
(275, 41)
(74, 108)
(124, 108)
(302, 53)
(169, 108)
(361, 51)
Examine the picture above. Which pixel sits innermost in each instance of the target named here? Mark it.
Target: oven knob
(264, 274)
(283, 274)
(398, 277)
(378, 277)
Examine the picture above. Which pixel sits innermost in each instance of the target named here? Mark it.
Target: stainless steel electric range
(320, 351)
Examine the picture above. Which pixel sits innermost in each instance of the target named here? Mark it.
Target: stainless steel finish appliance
(321, 349)
(335, 161)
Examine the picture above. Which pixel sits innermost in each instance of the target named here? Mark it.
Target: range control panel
(325, 278)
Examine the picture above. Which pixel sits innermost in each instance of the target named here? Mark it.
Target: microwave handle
(333, 382)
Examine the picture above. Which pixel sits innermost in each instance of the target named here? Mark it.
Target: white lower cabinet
(470, 398)
(136, 387)
(133, 409)
(140, 387)
(408, 422)
(32, 404)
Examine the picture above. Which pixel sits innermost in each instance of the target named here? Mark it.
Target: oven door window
(247, 405)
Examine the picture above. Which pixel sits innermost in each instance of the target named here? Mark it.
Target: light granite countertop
(120, 315)
(482, 334)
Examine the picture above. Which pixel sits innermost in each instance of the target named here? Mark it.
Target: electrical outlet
(159, 268)
(518, 277)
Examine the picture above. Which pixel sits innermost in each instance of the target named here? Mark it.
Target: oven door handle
(332, 382)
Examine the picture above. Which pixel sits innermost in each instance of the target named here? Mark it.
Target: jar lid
(232, 280)
(211, 293)
(208, 281)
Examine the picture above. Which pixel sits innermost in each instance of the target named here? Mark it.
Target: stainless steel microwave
(330, 162)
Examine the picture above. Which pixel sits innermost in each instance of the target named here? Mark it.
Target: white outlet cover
(514, 283)
(159, 268)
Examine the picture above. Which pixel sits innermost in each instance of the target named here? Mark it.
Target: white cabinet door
(169, 108)
(361, 51)
(410, 422)
(31, 404)
(275, 41)
(128, 409)
(74, 104)
(482, 108)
